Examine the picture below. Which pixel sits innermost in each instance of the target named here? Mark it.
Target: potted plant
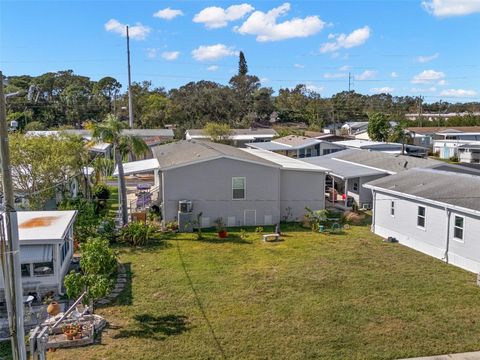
(71, 331)
(220, 225)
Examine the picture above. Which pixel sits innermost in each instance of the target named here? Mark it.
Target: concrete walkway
(463, 356)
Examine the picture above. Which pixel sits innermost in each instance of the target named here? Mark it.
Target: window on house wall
(355, 186)
(43, 269)
(421, 217)
(26, 270)
(458, 228)
(238, 188)
(392, 208)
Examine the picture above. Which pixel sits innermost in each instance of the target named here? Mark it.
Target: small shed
(46, 248)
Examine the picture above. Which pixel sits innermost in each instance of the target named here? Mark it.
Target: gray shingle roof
(342, 169)
(392, 163)
(461, 190)
(186, 152)
(253, 131)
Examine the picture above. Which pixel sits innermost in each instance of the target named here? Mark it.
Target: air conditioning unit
(185, 206)
(366, 206)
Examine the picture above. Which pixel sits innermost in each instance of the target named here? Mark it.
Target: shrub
(107, 230)
(136, 233)
(98, 265)
(87, 219)
(259, 229)
(101, 191)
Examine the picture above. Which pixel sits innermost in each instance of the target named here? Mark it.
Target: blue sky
(408, 47)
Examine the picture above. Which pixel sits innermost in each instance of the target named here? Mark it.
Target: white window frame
(244, 187)
(463, 228)
(424, 217)
(392, 209)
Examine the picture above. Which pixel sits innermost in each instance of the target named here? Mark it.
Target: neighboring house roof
(186, 152)
(474, 146)
(138, 167)
(462, 168)
(430, 130)
(376, 145)
(438, 187)
(391, 163)
(44, 225)
(236, 134)
(342, 169)
(285, 162)
(291, 142)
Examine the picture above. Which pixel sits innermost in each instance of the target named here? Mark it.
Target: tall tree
(378, 127)
(41, 165)
(111, 131)
(242, 65)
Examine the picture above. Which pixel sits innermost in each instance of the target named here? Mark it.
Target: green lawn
(312, 296)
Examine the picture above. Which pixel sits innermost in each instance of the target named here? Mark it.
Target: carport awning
(342, 169)
(36, 253)
(138, 167)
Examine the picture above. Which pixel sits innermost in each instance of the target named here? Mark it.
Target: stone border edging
(119, 286)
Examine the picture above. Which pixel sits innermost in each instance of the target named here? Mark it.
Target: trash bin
(321, 228)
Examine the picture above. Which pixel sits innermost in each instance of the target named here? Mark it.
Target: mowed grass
(311, 296)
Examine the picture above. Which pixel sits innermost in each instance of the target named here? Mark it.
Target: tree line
(64, 99)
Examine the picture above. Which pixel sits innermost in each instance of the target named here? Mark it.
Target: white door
(250, 217)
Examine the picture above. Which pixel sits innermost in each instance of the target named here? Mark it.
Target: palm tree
(110, 131)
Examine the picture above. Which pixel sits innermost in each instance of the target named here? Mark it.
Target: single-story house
(244, 187)
(349, 169)
(425, 136)
(391, 148)
(238, 137)
(298, 146)
(354, 127)
(432, 211)
(46, 248)
(452, 142)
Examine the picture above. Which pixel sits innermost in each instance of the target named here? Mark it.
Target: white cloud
(212, 68)
(136, 32)
(382, 90)
(152, 53)
(458, 93)
(394, 74)
(366, 75)
(215, 17)
(314, 88)
(451, 7)
(442, 83)
(170, 55)
(428, 76)
(431, 89)
(344, 68)
(168, 14)
(265, 27)
(343, 41)
(298, 66)
(335, 75)
(212, 52)
(427, 58)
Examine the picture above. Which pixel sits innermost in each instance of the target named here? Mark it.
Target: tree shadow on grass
(155, 327)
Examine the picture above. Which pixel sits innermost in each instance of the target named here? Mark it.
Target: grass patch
(310, 296)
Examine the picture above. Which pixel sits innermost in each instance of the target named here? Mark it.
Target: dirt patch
(38, 222)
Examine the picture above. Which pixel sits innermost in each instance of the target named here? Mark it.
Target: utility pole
(351, 79)
(10, 249)
(130, 98)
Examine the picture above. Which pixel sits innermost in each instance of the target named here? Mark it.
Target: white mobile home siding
(300, 189)
(433, 239)
(209, 186)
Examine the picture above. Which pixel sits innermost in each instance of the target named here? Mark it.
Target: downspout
(447, 245)
(373, 210)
